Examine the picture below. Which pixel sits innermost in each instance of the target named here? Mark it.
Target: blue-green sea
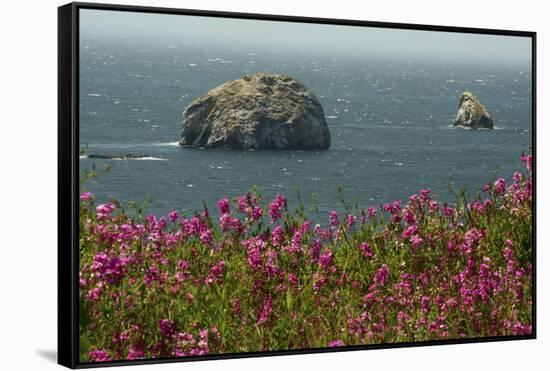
(390, 121)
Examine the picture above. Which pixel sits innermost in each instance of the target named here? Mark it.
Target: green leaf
(289, 300)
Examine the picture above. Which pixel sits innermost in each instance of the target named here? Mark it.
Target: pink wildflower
(99, 355)
(266, 310)
(105, 210)
(325, 259)
(381, 275)
(254, 258)
(215, 273)
(500, 185)
(223, 205)
(528, 160)
(135, 353)
(366, 249)
(85, 196)
(275, 208)
(416, 240)
(166, 327)
(173, 215)
(333, 218)
(350, 220)
(371, 212)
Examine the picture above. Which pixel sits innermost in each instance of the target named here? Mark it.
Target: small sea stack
(472, 114)
(258, 111)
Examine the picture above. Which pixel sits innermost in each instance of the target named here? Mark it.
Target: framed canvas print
(235, 185)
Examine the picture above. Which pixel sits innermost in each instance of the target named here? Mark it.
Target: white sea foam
(94, 95)
(331, 117)
(467, 128)
(166, 144)
(149, 158)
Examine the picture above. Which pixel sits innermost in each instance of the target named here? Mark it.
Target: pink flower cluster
(189, 285)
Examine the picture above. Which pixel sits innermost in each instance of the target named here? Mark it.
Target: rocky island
(258, 111)
(472, 114)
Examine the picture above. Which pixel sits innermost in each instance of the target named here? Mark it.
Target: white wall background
(28, 153)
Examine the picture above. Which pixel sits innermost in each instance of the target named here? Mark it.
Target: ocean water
(390, 121)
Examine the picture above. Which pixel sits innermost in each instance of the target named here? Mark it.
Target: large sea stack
(472, 114)
(259, 111)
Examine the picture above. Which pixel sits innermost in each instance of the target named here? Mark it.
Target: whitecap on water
(149, 158)
(167, 144)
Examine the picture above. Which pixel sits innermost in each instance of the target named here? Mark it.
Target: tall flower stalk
(260, 278)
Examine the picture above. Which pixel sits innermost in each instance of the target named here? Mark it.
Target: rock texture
(259, 111)
(472, 114)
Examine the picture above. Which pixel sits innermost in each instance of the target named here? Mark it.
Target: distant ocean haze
(390, 122)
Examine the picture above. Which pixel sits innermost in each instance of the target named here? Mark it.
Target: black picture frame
(68, 176)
